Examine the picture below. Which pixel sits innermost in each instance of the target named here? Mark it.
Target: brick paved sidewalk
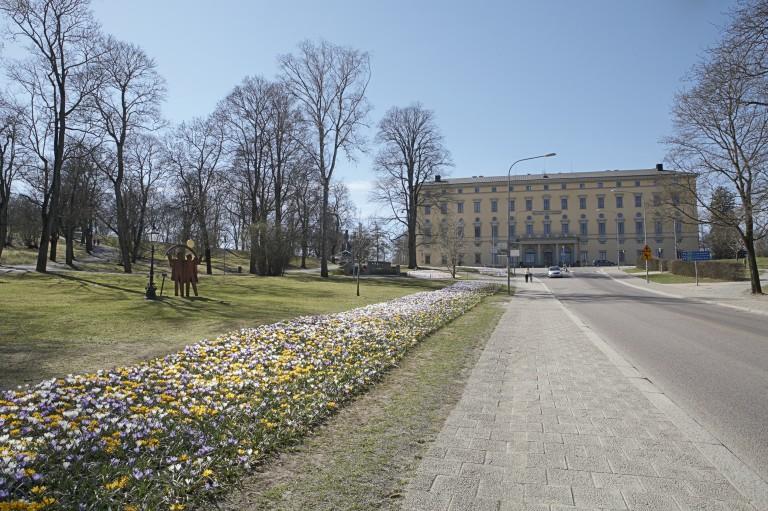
(548, 422)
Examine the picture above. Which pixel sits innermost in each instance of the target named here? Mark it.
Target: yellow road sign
(647, 254)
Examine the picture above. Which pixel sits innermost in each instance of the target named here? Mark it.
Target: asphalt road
(710, 360)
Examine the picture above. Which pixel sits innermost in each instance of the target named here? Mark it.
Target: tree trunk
(70, 246)
(45, 238)
(411, 241)
(324, 231)
(206, 244)
(123, 231)
(89, 237)
(54, 245)
(3, 227)
(754, 273)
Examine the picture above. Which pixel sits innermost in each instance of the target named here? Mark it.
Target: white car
(554, 272)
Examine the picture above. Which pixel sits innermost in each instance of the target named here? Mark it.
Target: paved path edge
(670, 295)
(740, 475)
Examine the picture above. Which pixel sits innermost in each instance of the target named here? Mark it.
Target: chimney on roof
(437, 178)
(660, 167)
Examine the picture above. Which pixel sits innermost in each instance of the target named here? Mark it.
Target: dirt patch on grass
(364, 456)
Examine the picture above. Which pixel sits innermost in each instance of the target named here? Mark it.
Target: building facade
(557, 218)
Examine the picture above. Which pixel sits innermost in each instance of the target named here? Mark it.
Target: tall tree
(195, 154)
(62, 37)
(721, 136)
(126, 103)
(329, 83)
(246, 114)
(10, 127)
(412, 153)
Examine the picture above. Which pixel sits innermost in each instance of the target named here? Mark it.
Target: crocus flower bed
(169, 433)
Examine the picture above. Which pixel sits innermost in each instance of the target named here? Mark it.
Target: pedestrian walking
(528, 275)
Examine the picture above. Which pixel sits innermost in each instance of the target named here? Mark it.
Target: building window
(427, 258)
(546, 187)
(564, 228)
(460, 190)
(477, 189)
(494, 206)
(444, 260)
(619, 201)
(493, 189)
(511, 232)
(584, 255)
(563, 186)
(583, 228)
(511, 188)
(638, 201)
(495, 231)
(656, 199)
(637, 183)
(478, 258)
(618, 184)
(528, 188)
(477, 206)
(582, 203)
(529, 204)
(460, 231)
(658, 227)
(547, 229)
(678, 226)
(639, 227)
(603, 254)
(546, 204)
(459, 207)
(600, 184)
(601, 203)
(675, 199)
(601, 227)
(444, 208)
(620, 227)
(511, 204)
(477, 231)
(529, 229)
(428, 232)
(564, 203)
(427, 209)
(461, 260)
(581, 185)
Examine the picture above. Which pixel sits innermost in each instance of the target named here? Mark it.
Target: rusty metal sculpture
(183, 269)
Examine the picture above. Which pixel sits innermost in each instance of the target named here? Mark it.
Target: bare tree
(450, 239)
(411, 154)
(62, 37)
(146, 160)
(721, 136)
(246, 114)
(329, 83)
(195, 154)
(10, 126)
(126, 103)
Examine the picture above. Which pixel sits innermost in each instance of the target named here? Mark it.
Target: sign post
(647, 254)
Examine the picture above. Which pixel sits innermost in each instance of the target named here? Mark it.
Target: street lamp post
(618, 254)
(645, 241)
(509, 198)
(151, 293)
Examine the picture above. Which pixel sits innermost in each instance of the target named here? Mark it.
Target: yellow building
(571, 218)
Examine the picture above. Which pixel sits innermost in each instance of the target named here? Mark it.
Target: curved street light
(509, 175)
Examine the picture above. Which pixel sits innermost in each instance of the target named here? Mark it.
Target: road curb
(740, 475)
(699, 300)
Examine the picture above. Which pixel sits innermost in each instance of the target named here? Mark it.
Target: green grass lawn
(76, 322)
(105, 258)
(671, 278)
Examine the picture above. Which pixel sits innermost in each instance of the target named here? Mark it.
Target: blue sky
(591, 80)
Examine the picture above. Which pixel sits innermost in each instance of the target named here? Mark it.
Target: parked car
(554, 272)
(603, 262)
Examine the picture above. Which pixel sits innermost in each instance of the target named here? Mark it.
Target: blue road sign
(697, 255)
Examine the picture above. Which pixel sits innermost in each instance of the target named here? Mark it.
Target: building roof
(552, 176)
